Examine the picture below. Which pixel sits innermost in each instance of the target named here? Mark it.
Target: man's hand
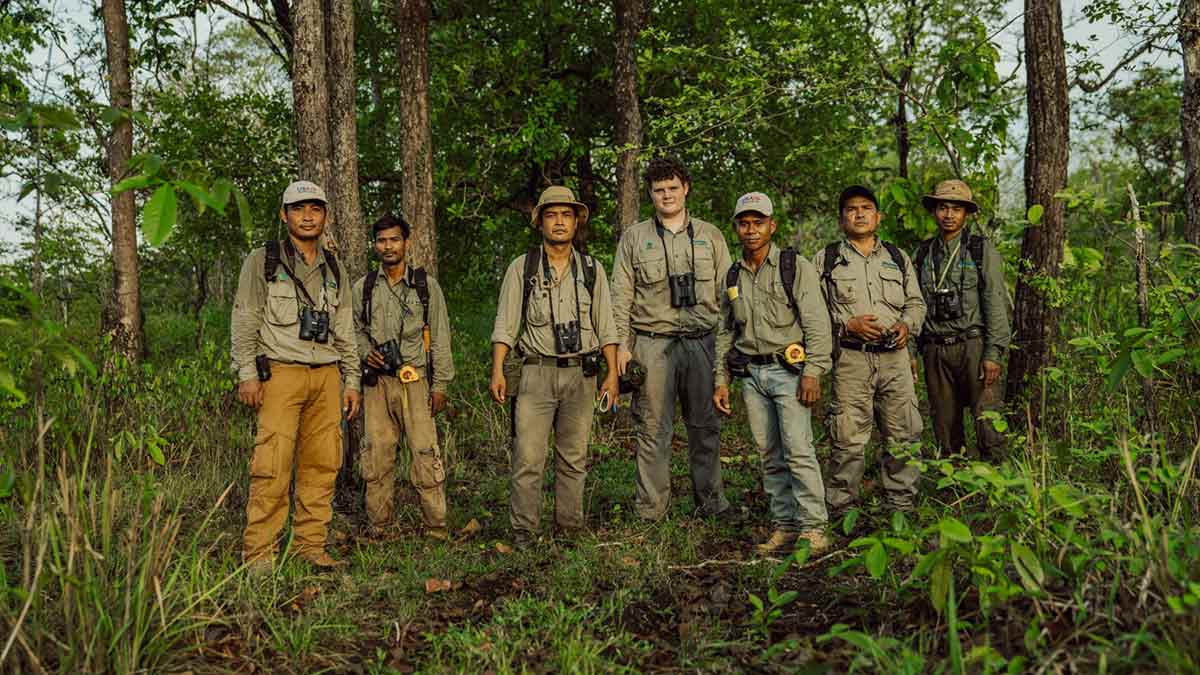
(989, 372)
(499, 386)
(250, 392)
(901, 330)
(912, 363)
(624, 356)
(375, 360)
(809, 391)
(721, 400)
(864, 327)
(437, 401)
(350, 403)
(612, 387)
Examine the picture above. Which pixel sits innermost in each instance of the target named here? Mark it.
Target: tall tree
(123, 316)
(1189, 115)
(310, 91)
(1036, 321)
(628, 113)
(350, 231)
(416, 136)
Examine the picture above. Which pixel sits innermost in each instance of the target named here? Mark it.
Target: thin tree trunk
(1141, 273)
(587, 195)
(310, 92)
(1036, 320)
(416, 143)
(1189, 114)
(346, 204)
(628, 113)
(123, 317)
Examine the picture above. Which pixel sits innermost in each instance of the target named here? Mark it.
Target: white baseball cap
(753, 201)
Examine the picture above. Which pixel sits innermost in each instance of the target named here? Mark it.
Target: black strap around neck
(658, 227)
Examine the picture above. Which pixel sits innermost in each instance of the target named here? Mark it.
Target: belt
(556, 361)
(761, 359)
(947, 340)
(869, 347)
(306, 365)
(694, 335)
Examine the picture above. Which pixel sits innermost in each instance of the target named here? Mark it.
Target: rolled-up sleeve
(622, 291)
(439, 329)
(247, 317)
(508, 308)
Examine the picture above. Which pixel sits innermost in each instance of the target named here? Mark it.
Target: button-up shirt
(872, 284)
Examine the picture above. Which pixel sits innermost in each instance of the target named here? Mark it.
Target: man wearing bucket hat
(875, 307)
(966, 329)
(293, 350)
(555, 311)
(775, 337)
(666, 305)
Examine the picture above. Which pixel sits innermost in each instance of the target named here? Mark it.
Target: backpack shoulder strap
(528, 278)
(975, 248)
(898, 258)
(831, 255)
(922, 254)
(420, 281)
(589, 272)
(271, 262)
(367, 291)
(787, 275)
(332, 263)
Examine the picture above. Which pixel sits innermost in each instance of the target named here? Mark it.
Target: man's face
(305, 220)
(860, 217)
(669, 196)
(754, 230)
(390, 245)
(558, 224)
(950, 217)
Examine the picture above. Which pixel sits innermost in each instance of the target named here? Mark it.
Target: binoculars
(567, 339)
(314, 325)
(262, 365)
(391, 356)
(590, 363)
(737, 363)
(634, 377)
(947, 304)
(683, 289)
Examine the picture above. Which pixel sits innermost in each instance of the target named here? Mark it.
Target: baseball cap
(303, 191)
(753, 201)
(856, 191)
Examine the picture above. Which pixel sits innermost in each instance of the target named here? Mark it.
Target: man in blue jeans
(775, 336)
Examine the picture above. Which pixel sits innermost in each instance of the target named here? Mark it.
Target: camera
(370, 377)
(634, 377)
(683, 289)
(263, 365)
(737, 363)
(390, 351)
(566, 338)
(314, 325)
(947, 304)
(591, 364)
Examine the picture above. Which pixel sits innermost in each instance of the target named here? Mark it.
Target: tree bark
(416, 137)
(1036, 320)
(123, 316)
(310, 92)
(587, 195)
(628, 112)
(345, 202)
(1189, 115)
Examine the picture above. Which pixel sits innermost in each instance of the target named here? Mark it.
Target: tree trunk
(346, 204)
(1189, 114)
(1036, 320)
(416, 144)
(587, 195)
(310, 92)
(123, 316)
(628, 112)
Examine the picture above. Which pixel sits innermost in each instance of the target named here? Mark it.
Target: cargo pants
(683, 368)
(952, 380)
(393, 407)
(299, 426)
(863, 384)
(559, 400)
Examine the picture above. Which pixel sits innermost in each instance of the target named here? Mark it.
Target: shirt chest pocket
(412, 316)
(844, 290)
(779, 313)
(283, 309)
(705, 264)
(969, 274)
(539, 306)
(891, 282)
(651, 268)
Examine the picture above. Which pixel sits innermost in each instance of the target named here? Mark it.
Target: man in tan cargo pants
(292, 339)
(556, 312)
(875, 307)
(402, 328)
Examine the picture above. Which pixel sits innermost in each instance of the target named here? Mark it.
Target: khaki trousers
(863, 384)
(952, 380)
(299, 428)
(559, 400)
(393, 407)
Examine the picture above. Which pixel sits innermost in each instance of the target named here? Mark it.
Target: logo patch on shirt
(649, 245)
(890, 265)
(701, 242)
(332, 285)
(968, 263)
(282, 275)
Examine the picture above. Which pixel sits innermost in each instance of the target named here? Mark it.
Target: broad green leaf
(221, 190)
(1119, 368)
(244, 215)
(156, 454)
(849, 521)
(1142, 362)
(158, 217)
(202, 198)
(902, 545)
(1034, 215)
(939, 584)
(1028, 567)
(1065, 497)
(132, 183)
(876, 559)
(1169, 356)
(953, 529)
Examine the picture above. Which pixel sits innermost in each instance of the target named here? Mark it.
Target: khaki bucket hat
(952, 190)
(557, 194)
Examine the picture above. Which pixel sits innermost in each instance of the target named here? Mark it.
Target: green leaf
(902, 545)
(1034, 215)
(1064, 496)
(939, 584)
(1119, 368)
(849, 521)
(1142, 362)
(221, 190)
(876, 559)
(953, 529)
(132, 183)
(158, 217)
(1169, 356)
(244, 215)
(202, 198)
(156, 453)
(899, 194)
(1028, 567)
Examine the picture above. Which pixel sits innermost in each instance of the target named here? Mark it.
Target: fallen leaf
(470, 528)
(630, 561)
(437, 585)
(503, 548)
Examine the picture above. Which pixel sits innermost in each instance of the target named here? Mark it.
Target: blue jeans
(782, 430)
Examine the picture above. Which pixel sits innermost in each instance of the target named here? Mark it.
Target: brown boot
(780, 542)
(260, 567)
(321, 558)
(437, 533)
(818, 543)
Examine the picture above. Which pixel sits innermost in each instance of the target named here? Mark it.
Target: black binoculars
(390, 351)
(634, 377)
(314, 325)
(683, 289)
(567, 339)
(262, 365)
(947, 304)
(590, 363)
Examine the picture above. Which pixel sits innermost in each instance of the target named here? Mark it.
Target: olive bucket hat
(952, 190)
(557, 194)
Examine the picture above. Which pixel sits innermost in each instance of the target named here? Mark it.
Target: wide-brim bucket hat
(952, 190)
(558, 194)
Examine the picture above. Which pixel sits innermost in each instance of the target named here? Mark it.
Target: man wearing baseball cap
(555, 311)
(294, 354)
(875, 307)
(775, 337)
(966, 329)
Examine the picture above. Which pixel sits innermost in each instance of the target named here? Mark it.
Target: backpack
(274, 259)
(420, 282)
(974, 248)
(529, 278)
(831, 257)
(787, 275)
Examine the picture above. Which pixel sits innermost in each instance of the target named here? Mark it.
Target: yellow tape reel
(408, 374)
(794, 353)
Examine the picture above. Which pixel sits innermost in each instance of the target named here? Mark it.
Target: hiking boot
(320, 558)
(818, 543)
(780, 542)
(260, 567)
(382, 533)
(523, 540)
(437, 533)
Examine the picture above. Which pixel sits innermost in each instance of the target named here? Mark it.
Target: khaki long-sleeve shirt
(768, 324)
(397, 314)
(553, 300)
(984, 307)
(641, 293)
(872, 284)
(266, 317)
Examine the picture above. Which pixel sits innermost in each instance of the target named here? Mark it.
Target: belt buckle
(562, 362)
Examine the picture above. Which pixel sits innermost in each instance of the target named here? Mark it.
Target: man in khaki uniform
(400, 394)
(775, 337)
(875, 306)
(966, 329)
(666, 305)
(293, 350)
(556, 312)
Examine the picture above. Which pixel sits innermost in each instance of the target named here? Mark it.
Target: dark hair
(665, 168)
(856, 191)
(387, 222)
